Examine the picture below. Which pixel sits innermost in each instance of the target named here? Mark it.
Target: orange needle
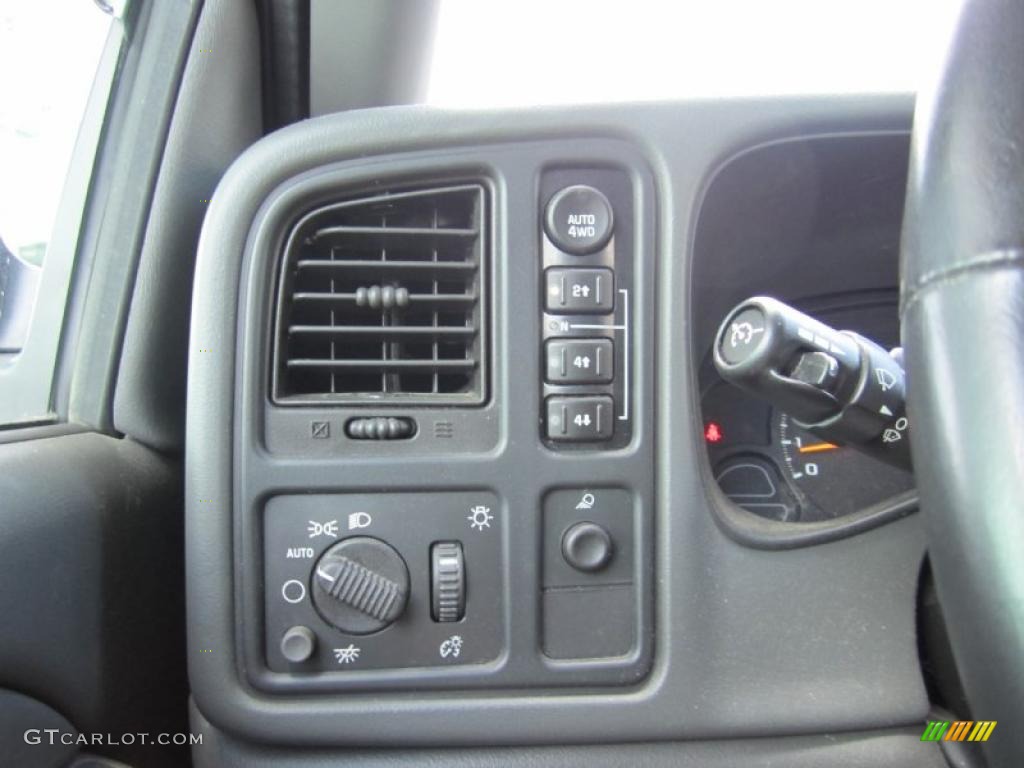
(817, 448)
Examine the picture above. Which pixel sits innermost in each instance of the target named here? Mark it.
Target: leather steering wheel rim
(962, 311)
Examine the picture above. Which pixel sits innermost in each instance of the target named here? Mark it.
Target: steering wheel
(962, 310)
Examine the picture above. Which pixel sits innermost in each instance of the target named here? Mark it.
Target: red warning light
(713, 432)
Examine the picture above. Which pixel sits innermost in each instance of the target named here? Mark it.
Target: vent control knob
(447, 581)
(380, 428)
(360, 585)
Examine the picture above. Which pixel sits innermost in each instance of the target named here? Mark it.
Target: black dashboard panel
(655, 643)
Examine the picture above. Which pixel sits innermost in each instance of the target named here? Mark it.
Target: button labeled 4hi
(582, 361)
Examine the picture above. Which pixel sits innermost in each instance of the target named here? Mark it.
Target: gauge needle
(818, 448)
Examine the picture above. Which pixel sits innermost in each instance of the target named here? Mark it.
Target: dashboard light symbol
(586, 501)
(347, 655)
(480, 517)
(316, 528)
(452, 647)
(359, 520)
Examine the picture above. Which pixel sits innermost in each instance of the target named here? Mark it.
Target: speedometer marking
(832, 480)
(818, 447)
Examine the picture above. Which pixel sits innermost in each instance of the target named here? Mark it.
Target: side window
(58, 62)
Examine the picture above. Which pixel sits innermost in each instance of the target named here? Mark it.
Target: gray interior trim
(217, 115)
(40, 431)
(714, 676)
(31, 380)
(368, 54)
(837, 750)
(120, 195)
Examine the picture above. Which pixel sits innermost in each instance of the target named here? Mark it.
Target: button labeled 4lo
(575, 419)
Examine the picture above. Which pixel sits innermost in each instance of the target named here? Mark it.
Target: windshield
(577, 51)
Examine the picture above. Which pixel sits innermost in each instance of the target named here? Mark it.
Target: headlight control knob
(360, 585)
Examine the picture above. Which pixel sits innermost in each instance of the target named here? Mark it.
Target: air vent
(382, 299)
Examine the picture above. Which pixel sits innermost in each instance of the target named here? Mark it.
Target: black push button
(576, 419)
(579, 220)
(579, 291)
(579, 361)
(587, 547)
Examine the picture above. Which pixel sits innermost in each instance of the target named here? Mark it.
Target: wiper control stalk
(837, 384)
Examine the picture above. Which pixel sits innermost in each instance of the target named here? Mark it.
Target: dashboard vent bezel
(413, 316)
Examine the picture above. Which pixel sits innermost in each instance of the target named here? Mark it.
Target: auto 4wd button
(579, 220)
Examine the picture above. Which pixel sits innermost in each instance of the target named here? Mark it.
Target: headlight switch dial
(360, 585)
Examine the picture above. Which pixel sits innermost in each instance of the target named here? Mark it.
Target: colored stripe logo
(960, 730)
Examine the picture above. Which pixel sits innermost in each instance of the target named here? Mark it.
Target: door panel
(91, 591)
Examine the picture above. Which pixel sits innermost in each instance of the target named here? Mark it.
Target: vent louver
(382, 299)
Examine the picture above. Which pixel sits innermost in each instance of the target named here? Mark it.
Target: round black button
(587, 547)
(579, 220)
(298, 644)
(742, 336)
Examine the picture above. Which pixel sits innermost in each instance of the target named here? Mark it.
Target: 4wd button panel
(586, 274)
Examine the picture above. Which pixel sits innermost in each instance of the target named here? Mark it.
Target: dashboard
(459, 467)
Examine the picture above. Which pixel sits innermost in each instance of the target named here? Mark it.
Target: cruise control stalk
(836, 384)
